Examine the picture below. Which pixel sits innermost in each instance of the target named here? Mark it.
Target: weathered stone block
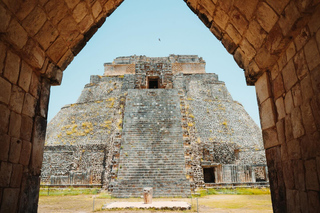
(251, 73)
(267, 114)
(313, 201)
(307, 118)
(221, 18)
(288, 102)
(15, 150)
(5, 145)
(54, 74)
(16, 175)
(278, 6)
(255, 34)
(5, 88)
(309, 146)
(315, 79)
(57, 50)
(291, 51)
(80, 11)
(284, 152)
(34, 85)
(29, 195)
(96, 9)
(265, 59)
(25, 76)
(282, 61)
(228, 44)
(68, 29)
(247, 7)
(278, 86)
(11, 71)
(300, 64)
(275, 41)
(16, 100)
(216, 31)
(4, 118)
(303, 200)
(289, 75)
(239, 21)
(10, 199)
(263, 89)
(16, 34)
(34, 21)
(266, 16)
(240, 58)
(15, 124)
(316, 111)
(63, 63)
(72, 3)
(312, 54)
(270, 138)
(85, 24)
(293, 147)
(296, 95)
(233, 33)
(274, 71)
(5, 19)
(288, 174)
(5, 174)
(44, 98)
(25, 153)
(39, 133)
(292, 201)
(226, 5)
(288, 17)
(314, 23)
(46, 35)
(288, 128)
(247, 49)
(302, 38)
(299, 172)
(277, 186)
(29, 105)
(56, 10)
(280, 108)
(34, 54)
(281, 131)
(3, 54)
(311, 175)
(296, 120)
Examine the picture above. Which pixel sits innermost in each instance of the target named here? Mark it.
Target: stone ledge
(168, 205)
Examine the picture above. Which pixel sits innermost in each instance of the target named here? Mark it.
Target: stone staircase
(152, 152)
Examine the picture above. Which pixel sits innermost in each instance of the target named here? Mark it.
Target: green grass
(67, 191)
(232, 191)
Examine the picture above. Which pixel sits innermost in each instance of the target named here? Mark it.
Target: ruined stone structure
(158, 122)
(275, 42)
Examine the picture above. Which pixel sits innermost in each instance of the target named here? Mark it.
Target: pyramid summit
(160, 122)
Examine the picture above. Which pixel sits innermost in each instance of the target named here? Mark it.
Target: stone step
(152, 151)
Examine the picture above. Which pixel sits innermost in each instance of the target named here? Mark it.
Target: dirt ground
(211, 203)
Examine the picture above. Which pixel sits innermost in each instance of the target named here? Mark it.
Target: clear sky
(135, 28)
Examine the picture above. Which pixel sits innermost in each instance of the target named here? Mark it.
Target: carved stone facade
(194, 127)
(275, 42)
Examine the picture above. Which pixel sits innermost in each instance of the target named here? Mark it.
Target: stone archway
(276, 42)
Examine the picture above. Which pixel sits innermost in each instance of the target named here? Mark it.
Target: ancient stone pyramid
(153, 122)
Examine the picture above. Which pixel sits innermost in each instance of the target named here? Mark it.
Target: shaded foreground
(210, 203)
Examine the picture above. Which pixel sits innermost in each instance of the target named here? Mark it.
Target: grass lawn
(77, 200)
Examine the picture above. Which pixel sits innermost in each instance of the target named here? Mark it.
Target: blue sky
(135, 28)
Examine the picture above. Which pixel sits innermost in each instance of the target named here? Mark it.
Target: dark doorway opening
(208, 175)
(153, 83)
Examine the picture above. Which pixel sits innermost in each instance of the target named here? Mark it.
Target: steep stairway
(152, 152)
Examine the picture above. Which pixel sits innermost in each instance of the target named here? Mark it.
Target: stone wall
(275, 42)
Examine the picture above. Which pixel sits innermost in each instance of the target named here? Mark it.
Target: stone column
(147, 195)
